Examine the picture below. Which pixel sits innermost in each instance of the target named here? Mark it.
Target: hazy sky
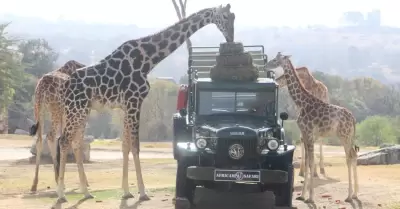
(158, 13)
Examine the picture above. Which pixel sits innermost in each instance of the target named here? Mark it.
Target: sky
(159, 13)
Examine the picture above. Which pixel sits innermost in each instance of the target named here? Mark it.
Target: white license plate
(237, 175)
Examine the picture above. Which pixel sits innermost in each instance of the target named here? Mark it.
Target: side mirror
(271, 74)
(284, 116)
(183, 112)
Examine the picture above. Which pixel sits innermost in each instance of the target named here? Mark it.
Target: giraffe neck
(145, 53)
(296, 89)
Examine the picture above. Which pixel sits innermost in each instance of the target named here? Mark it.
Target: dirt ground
(379, 187)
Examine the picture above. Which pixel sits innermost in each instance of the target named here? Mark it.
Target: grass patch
(393, 206)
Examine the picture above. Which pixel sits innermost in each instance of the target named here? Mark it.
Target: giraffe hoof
(34, 188)
(61, 200)
(301, 198)
(127, 196)
(322, 171)
(354, 197)
(144, 198)
(348, 200)
(88, 196)
(309, 201)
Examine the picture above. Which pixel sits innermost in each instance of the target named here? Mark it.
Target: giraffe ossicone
(320, 119)
(120, 81)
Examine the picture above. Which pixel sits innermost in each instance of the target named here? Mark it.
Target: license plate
(237, 175)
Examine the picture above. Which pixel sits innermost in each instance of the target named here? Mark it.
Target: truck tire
(284, 194)
(231, 48)
(185, 188)
(244, 59)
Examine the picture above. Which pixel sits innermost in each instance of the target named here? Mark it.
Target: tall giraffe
(320, 119)
(47, 95)
(120, 81)
(319, 90)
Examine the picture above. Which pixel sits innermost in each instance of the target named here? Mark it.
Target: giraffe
(319, 90)
(47, 94)
(320, 119)
(120, 81)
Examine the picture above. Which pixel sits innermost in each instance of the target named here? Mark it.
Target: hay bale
(234, 73)
(228, 48)
(243, 59)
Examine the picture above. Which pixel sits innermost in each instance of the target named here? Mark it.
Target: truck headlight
(201, 143)
(273, 144)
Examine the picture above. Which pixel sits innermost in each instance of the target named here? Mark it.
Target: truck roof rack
(203, 58)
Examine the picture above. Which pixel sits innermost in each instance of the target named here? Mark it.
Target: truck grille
(222, 158)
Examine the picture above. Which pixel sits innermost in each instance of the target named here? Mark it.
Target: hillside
(347, 51)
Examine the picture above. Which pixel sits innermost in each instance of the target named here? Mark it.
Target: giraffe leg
(126, 148)
(306, 165)
(302, 160)
(349, 167)
(355, 174)
(62, 152)
(39, 146)
(135, 153)
(77, 148)
(311, 164)
(321, 158)
(51, 138)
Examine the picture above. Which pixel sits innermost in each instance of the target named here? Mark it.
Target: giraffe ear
(228, 7)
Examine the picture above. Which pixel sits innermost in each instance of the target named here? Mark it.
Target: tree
(376, 130)
(11, 74)
(39, 56)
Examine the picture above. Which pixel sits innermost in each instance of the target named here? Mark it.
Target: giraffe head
(224, 19)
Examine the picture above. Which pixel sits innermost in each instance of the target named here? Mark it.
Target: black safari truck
(228, 135)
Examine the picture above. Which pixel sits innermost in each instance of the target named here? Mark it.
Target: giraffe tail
(355, 148)
(38, 111)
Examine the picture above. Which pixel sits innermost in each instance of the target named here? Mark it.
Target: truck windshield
(257, 103)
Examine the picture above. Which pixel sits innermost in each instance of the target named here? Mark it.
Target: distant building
(374, 18)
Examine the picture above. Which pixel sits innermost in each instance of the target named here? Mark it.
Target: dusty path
(15, 153)
(379, 185)
(23, 153)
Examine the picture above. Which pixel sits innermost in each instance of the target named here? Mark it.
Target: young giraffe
(120, 81)
(47, 95)
(320, 119)
(319, 90)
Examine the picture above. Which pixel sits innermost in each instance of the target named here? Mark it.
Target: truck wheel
(185, 188)
(284, 194)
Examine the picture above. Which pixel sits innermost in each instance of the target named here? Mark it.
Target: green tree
(39, 56)
(11, 74)
(375, 130)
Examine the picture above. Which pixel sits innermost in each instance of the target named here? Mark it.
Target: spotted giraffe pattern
(47, 96)
(320, 119)
(319, 90)
(120, 81)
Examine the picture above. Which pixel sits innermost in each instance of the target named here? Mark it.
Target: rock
(21, 132)
(384, 156)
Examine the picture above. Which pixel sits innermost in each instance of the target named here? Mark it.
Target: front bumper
(209, 174)
(189, 149)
